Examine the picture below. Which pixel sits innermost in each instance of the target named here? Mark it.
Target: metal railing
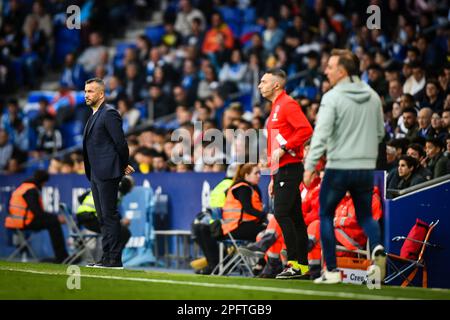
(394, 193)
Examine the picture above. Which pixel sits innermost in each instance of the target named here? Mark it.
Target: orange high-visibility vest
(233, 212)
(19, 213)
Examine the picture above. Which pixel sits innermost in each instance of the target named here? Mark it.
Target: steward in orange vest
(27, 212)
(20, 213)
(234, 212)
(242, 214)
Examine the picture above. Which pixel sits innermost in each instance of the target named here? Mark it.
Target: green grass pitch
(49, 281)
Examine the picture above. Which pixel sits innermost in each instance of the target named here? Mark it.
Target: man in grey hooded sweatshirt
(349, 128)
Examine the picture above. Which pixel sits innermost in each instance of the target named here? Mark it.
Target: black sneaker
(290, 273)
(113, 265)
(95, 264)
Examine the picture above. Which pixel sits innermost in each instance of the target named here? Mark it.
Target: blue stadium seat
(66, 41)
(155, 34)
(249, 15)
(138, 207)
(246, 101)
(72, 133)
(35, 96)
(120, 52)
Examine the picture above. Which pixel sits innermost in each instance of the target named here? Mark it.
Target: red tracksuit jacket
(287, 124)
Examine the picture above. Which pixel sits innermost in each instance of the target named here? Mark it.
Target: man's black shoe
(112, 265)
(95, 264)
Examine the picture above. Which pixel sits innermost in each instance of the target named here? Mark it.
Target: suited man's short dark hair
(98, 81)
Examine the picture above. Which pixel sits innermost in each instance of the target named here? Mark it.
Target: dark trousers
(90, 222)
(51, 223)
(288, 211)
(105, 198)
(334, 185)
(245, 231)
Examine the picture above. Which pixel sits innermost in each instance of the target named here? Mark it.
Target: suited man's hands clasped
(129, 170)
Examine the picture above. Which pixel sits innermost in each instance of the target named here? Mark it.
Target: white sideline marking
(227, 286)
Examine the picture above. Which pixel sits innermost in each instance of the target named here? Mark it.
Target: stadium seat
(249, 15)
(72, 133)
(155, 34)
(138, 207)
(407, 264)
(234, 260)
(82, 241)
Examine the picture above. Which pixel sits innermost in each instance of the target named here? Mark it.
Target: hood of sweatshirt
(357, 90)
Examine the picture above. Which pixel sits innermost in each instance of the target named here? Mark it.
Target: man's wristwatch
(283, 147)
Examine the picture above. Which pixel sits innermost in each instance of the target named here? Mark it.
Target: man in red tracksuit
(288, 130)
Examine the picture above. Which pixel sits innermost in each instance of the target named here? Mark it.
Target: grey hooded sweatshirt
(349, 127)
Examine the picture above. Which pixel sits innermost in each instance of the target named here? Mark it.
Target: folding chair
(234, 260)
(411, 265)
(82, 241)
(21, 239)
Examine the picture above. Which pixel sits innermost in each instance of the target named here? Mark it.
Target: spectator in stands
(186, 16)
(6, 149)
(433, 96)
(130, 115)
(273, 35)
(159, 104)
(43, 111)
(49, 138)
(195, 39)
(446, 121)
(416, 82)
(21, 139)
(114, 91)
(235, 70)
(408, 176)
(54, 166)
(144, 158)
(180, 96)
(28, 195)
(35, 52)
(417, 152)
(377, 81)
(208, 84)
(14, 166)
(395, 90)
(78, 162)
(133, 83)
(73, 75)
(143, 45)
(436, 162)
(437, 130)
(171, 38)
(67, 166)
(91, 56)
(161, 79)
(129, 57)
(424, 122)
(159, 163)
(7, 119)
(189, 80)
(218, 29)
(45, 23)
(410, 122)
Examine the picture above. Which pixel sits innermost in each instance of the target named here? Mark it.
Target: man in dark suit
(106, 161)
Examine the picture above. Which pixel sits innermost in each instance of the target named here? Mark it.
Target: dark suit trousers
(105, 197)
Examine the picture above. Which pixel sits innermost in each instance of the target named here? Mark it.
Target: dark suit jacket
(104, 146)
